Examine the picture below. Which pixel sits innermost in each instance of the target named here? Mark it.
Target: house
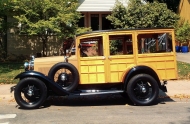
(183, 9)
(94, 13)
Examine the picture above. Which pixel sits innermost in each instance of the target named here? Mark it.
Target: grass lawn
(183, 70)
(9, 70)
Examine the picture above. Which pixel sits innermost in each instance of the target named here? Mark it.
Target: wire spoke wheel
(65, 74)
(30, 93)
(63, 77)
(143, 90)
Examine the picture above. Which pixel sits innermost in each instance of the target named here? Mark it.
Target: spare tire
(65, 74)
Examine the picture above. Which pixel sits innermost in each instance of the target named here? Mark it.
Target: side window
(120, 44)
(154, 43)
(92, 46)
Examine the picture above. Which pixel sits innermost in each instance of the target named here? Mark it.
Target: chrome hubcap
(63, 77)
(30, 91)
(143, 89)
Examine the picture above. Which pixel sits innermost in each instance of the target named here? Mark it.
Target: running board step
(96, 92)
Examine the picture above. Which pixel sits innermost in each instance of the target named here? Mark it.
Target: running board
(95, 92)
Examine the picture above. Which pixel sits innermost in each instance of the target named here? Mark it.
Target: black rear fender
(140, 70)
(49, 83)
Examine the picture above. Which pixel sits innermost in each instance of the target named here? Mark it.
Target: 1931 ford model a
(131, 62)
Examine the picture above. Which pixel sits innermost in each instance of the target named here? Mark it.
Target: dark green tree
(2, 35)
(47, 17)
(142, 15)
(171, 4)
(5, 9)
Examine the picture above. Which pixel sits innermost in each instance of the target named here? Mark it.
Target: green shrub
(182, 31)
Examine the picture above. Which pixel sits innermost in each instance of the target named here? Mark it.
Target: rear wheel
(143, 89)
(30, 93)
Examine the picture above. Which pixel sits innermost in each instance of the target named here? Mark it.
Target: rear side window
(154, 43)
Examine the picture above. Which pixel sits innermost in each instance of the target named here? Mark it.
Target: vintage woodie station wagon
(135, 62)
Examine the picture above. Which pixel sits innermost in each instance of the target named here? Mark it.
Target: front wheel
(143, 89)
(30, 93)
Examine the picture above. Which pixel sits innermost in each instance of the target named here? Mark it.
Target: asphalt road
(96, 110)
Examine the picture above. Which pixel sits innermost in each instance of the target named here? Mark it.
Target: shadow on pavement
(163, 97)
(99, 100)
(95, 100)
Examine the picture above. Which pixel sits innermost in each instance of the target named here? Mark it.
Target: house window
(106, 24)
(81, 21)
(95, 21)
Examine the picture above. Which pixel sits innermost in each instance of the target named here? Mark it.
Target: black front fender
(30, 74)
(51, 84)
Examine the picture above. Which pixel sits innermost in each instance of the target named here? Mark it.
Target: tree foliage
(142, 15)
(5, 7)
(47, 17)
(182, 31)
(171, 4)
(39, 16)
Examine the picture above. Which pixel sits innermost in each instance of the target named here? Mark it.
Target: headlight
(28, 66)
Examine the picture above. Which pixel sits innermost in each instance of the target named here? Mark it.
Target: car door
(120, 55)
(92, 66)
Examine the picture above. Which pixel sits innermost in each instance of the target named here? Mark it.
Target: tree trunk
(44, 40)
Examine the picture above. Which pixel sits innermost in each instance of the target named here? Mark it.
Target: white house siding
(97, 5)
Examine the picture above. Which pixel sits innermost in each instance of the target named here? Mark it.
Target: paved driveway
(183, 57)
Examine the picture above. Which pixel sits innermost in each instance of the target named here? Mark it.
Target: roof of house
(98, 5)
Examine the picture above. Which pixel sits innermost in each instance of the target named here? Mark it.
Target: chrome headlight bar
(28, 66)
